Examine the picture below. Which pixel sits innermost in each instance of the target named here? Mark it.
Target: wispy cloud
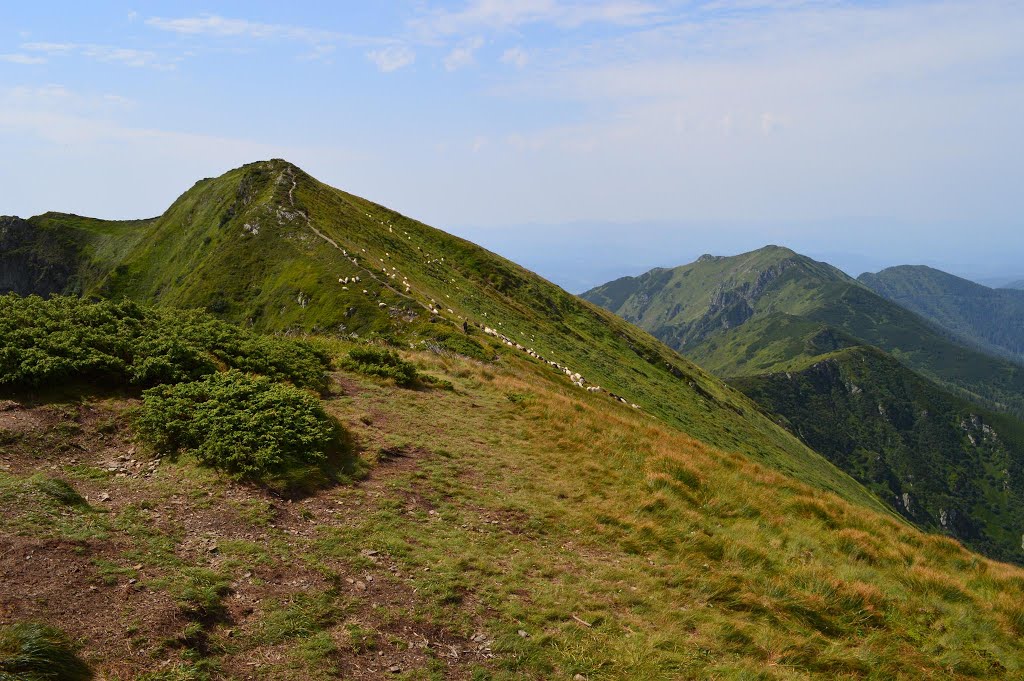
(322, 43)
(103, 53)
(515, 56)
(215, 25)
(18, 58)
(392, 58)
(57, 97)
(503, 15)
(463, 55)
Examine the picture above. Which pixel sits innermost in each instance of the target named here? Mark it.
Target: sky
(586, 140)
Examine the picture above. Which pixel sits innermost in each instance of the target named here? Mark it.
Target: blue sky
(584, 139)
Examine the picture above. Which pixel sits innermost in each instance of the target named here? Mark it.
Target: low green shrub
(381, 362)
(248, 426)
(36, 652)
(69, 340)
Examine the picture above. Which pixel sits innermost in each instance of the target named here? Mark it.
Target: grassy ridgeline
(269, 247)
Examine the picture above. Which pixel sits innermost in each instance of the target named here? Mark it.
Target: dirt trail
(332, 242)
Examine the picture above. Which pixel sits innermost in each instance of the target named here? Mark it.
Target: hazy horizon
(581, 256)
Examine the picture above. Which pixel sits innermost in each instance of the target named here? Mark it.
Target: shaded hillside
(942, 462)
(59, 253)
(268, 246)
(508, 526)
(989, 319)
(688, 305)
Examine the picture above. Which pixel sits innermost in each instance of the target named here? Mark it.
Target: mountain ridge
(243, 246)
(989, 319)
(717, 297)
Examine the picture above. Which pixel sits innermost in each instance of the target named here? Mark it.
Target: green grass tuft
(36, 652)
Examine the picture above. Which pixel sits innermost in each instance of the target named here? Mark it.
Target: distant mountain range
(897, 400)
(1015, 284)
(986, 318)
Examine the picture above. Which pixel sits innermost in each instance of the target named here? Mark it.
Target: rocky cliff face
(34, 260)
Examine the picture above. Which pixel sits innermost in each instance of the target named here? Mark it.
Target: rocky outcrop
(34, 260)
(730, 306)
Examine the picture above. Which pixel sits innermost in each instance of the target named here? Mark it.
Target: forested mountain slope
(986, 318)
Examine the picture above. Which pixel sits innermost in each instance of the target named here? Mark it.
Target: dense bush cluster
(381, 362)
(249, 426)
(68, 340)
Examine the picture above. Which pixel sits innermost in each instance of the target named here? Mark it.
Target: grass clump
(60, 491)
(381, 362)
(199, 593)
(247, 426)
(303, 617)
(68, 340)
(36, 652)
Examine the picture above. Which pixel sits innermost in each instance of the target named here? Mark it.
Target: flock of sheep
(435, 308)
(574, 376)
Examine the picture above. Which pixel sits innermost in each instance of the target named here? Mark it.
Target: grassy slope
(990, 319)
(715, 295)
(620, 547)
(899, 434)
(243, 245)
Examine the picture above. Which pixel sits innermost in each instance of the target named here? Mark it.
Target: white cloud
(22, 59)
(392, 58)
(103, 53)
(503, 15)
(320, 52)
(463, 55)
(515, 56)
(212, 24)
(56, 97)
(50, 48)
(226, 27)
(323, 43)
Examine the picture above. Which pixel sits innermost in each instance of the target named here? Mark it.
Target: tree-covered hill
(988, 319)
